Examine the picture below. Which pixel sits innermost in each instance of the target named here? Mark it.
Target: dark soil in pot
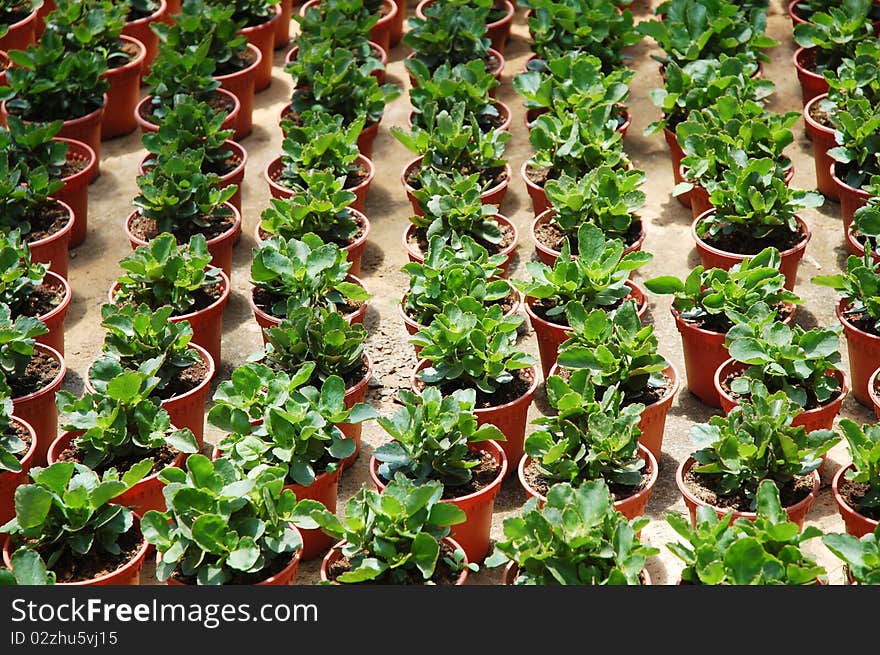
(204, 297)
(745, 244)
(272, 569)
(418, 239)
(266, 299)
(516, 388)
(443, 573)
(704, 487)
(78, 568)
(52, 218)
(221, 104)
(853, 493)
(618, 491)
(184, 380)
(483, 474)
(43, 300)
(812, 403)
(40, 371)
(146, 228)
(551, 235)
(489, 178)
(162, 457)
(361, 230)
(647, 396)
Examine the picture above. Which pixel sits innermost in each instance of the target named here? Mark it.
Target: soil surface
(273, 568)
(40, 371)
(147, 228)
(703, 486)
(75, 568)
(265, 300)
(443, 574)
(162, 457)
(552, 236)
(184, 380)
(51, 218)
(43, 300)
(744, 244)
(853, 493)
(418, 240)
(542, 484)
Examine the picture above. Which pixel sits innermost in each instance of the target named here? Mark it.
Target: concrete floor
(93, 266)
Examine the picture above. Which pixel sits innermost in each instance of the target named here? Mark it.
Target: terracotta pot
(186, 410)
(858, 525)
(416, 255)
(856, 247)
(412, 326)
(492, 196)
(551, 336)
(676, 154)
(378, 52)
(336, 552)
(207, 323)
(54, 319)
(864, 356)
(324, 489)
(355, 250)
(820, 418)
(235, 176)
(21, 34)
(38, 409)
(174, 8)
(75, 191)
(10, 481)
(823, 140)
(712, 257)
(397, 24)
(875, 397)
(851, 199)
(503, 113)
(631, 506)
(473, 534)
(273, 169)
(496, 71)
(123, 94)
(381, 31)
(283, 578)
(796, 513)
(142, 497)
(45, 8)
(511, 572)
(812, 84)
(510, 418)
(141, 29)
(532, 115)
(242, 85)
(548, 255)
(699, 197)
(229, 123)
(497, 32)
(540, 204)
(262, 37)
(794, 14)
(220, 246)
(354, 395)
(52, 249)
(282, 27)
(4, 66)
(127, 574)
(367, 137)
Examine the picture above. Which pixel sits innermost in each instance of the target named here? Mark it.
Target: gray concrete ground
(94, 266)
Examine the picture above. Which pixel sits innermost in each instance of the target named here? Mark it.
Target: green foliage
(12, 447)
(24, 193)
(33, 145)
(91, 25)
(862, 556)
(857, 132)
(835, 33)
(467, 83)
(180, 74)
(859, 286)
(318, 143)
(249, 12)
(19, 276)
(17, 339)
(452, 32)
(28, 568)
(864, 448)
(576, 538)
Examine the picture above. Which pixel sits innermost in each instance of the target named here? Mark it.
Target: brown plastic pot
(282, 27)
(262, 37)
(126, 575)
(864, 356)
(123, 94)
(242, 84)
(142, 497)
(10, 481)
(397, 24)
(235, 176)
(794, 14)
(75, 191)
(491, 196)
(511, 573)
(796, 513)
(174, 8)
(497, 32)
(324, 490)
(283, 578)
(548, 255)
(229, 123)
(367, 137)
(550, 335)
(335, 553)
(820, 418)
(378, 51)
(353, 395)
(631, 506)
(540, 204)
(21, 34)
(712, 257)
(473, 533)
(676, 154)
(38, 409)
(415, 255)
(54, 319)
(858, 525)
(220, 246)
(823, 140)
(510, 418)
(141, 29)
(851, 199)
(273, 169)
(52, 249)
(207, 323)
(812, 84)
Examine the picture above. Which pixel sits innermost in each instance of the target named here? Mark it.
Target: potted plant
(96, 26)
(124, 429)
(225, 526)
(498, 20)
(754, 209)
(259, 21)
(287, 275)
(137, 336)
(177, 198)
(401, 540)
(801, 11)
(320, 143)
(864, 231)
(83, 538)
(804, 364)
(856, 487)
(437, 437)
(599, 277)
(453, 207)
(855, 160)
(861, 555)
(210, 28)
(300, 434)
(617, 351)
(164, 273)
(141, 16)
(709, 301)
(453, 143)
(607, 198)
(18, 444)
(472, 347)
(379, 31)
(756, 441)
(576, 538)
(321, 207)
(191, 124)
(19, 20)
(767, 550)
(47, 83)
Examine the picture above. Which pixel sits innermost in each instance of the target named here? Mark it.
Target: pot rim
(419, 326)
(247, 30)
(809, 119)
(244, 71)
(65, 300)
(276, 163)
(68, 226)
(152, 18)
(835, 490)
(135, 62)
(847, 324)
(383, 55)
(236, 227)
(28, 456)
(91, 163)
(511, 569)
(508, 17)
(54, 382)
(860, 193)
(796, 58)
(232, 113)
(238, 152)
